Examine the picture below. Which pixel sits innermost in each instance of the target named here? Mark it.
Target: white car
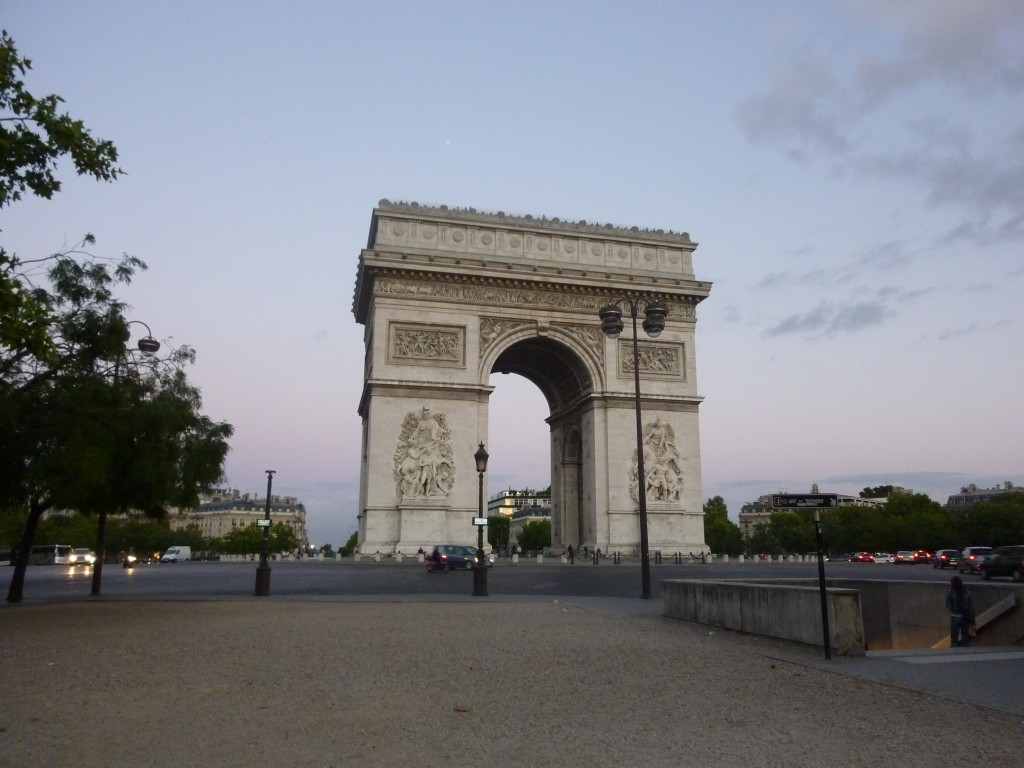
(81, 556)
(883, 557)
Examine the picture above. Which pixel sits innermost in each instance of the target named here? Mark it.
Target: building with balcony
(225, 509)
(972, 494)
(760, 512)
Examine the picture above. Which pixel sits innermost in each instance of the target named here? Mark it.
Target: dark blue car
(449, 557)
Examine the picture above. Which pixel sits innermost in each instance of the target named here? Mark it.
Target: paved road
(978, 676)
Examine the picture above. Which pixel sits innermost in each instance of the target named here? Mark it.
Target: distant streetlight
(148, 346)
(654, 324)
(480, 571)
(263, 569)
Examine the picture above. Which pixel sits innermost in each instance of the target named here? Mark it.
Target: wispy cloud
(828, 319)
(831, 109)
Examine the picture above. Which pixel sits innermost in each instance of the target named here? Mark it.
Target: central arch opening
(539, 384)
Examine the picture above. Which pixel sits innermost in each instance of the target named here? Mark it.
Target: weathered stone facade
(449, 296)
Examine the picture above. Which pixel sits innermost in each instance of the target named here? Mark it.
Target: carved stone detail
(655, 359)
(662, 464)
(424, 461)
(413, 344)
(590, 337)
(492, 328)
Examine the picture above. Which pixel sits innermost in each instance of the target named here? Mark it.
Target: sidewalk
(453, 682)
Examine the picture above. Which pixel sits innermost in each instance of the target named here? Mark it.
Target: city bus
(49, 554)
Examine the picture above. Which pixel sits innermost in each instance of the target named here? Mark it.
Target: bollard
(540, 558)
(615, 559)
(398, 557)
(657, 557)
(515, 559)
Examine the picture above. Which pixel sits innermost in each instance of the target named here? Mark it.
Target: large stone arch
(448, 297)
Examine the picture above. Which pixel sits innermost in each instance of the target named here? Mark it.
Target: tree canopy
(86, 422)
(35, 135)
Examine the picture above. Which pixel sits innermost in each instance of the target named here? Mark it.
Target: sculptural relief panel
(655, 359)
(424, 465)
(415, 344)
(662, 464)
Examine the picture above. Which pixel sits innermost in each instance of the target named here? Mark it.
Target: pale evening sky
(852, 170)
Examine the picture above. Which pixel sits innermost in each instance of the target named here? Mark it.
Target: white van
(177, 554)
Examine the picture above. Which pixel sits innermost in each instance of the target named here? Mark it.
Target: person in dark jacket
(960, 605)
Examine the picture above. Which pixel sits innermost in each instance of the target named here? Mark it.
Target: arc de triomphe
(448, 296)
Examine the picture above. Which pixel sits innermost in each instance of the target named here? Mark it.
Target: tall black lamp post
(148, 346)
(480, 570)
(263, 569)
(654, 324)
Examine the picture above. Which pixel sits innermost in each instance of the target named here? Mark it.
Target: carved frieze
(665, 359)
(591, 337)
(493, 328)
(528, 298)
(415, 344)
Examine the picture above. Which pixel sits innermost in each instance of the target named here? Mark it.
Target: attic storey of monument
(449, 296)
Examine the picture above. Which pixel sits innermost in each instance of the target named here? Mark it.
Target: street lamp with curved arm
(148, 346)
(654, 323)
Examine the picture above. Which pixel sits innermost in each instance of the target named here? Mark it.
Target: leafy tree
(793, 532)
(350, 545)
(535, 535)
(878, 492)
(34, 135)
(244, 540)
(721, 534)
(83, 423)
(992, 523)
(499, 529)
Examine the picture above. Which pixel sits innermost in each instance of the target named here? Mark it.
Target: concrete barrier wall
(896, 615)
(786, 611)
(912, 614)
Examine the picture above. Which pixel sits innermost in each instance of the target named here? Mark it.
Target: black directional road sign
(805, 501)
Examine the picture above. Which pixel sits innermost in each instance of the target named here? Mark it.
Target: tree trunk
(16, 591)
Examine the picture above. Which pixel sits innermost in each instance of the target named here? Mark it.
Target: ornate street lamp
(654, 324)
(263, 569)
(480, 570)
(148, 346)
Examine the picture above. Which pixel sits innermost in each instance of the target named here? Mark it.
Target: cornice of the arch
(475, 283)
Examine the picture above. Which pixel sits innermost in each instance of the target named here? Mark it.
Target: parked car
(922, 556)
(946, 558)
(81, 556)
(862, 557)
(841, 558)
(1004, 561)
(972, 557)
(904, 556)
(449, 557)
(883, 557)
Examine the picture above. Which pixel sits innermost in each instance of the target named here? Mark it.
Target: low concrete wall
(912, 614)
(786, 611)
(892, 615)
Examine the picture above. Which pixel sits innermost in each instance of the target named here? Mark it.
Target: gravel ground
(270, 683)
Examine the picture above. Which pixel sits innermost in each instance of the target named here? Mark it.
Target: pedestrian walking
(960, 605)
(571, 555)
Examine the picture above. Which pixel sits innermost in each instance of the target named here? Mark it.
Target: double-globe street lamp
(653, 325)
(480, 569)
(148, 346)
